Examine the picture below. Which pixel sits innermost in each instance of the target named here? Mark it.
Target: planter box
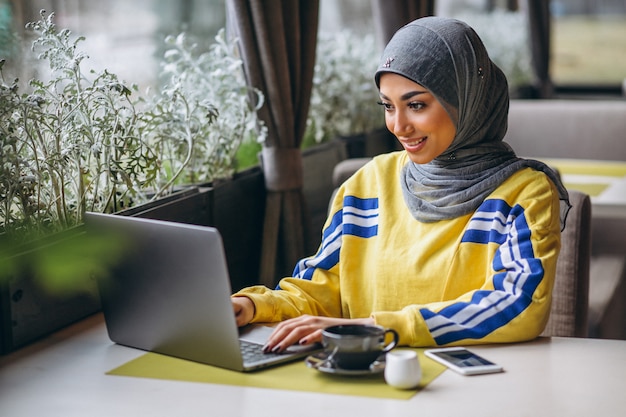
(236, 207)
(238, 212)
(191, 205)
(370, 144)
(30, 309)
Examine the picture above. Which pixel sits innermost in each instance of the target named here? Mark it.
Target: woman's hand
(304, 330)
(244, 310)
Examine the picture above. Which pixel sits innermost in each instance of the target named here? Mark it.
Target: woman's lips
(413, 145)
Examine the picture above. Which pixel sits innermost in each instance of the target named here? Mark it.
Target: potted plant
(202, 110)
(343, 97)
(79, 142)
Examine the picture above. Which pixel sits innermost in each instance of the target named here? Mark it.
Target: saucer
(318, 361)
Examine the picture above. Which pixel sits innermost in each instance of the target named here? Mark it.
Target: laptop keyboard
(253, 352)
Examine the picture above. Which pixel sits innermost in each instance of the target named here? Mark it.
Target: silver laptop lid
(169, 291)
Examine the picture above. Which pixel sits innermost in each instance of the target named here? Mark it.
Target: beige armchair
(570, 296)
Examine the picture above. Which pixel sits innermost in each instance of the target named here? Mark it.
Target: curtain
(539, 28)
(277, 42)
(391, 15)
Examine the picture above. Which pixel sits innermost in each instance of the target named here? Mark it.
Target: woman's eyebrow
(406, 96)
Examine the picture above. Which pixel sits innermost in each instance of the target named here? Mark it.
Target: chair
(570, 296)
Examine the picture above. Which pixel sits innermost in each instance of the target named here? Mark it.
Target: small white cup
(402, 369)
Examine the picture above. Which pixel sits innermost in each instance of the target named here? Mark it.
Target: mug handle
(394, 342)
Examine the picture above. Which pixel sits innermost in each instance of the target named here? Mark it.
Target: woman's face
(416, 118)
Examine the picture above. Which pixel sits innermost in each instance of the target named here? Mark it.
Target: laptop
(165, 288)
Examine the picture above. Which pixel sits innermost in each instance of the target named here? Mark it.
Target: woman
(453, 240)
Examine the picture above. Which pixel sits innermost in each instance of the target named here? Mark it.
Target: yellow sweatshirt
(485, 277)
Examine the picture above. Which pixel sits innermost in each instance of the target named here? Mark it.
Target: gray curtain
(539, 28)
(391, 15)
(277, 42)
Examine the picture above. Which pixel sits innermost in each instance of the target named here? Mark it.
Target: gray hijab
(448, 58)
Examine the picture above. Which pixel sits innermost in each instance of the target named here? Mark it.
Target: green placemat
(294, 376)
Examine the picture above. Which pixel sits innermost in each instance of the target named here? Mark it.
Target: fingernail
(266, 348)
(276, 349)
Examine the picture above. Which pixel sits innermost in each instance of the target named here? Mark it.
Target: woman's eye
(416, 105)
(386, 106)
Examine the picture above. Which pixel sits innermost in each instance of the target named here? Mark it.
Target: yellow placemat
(592, 189)
(589, 176)
(294, 376)
(588, 167)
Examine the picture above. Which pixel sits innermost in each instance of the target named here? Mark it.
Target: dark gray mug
(357, 346)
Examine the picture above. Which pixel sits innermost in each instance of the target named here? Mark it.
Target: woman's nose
(399, 124)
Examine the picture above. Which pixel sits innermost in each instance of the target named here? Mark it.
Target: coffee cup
(356, 346)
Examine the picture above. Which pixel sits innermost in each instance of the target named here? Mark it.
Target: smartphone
(463, 361)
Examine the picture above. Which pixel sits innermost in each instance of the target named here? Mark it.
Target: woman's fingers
(304, 330)
(300, 330)
(243, 308)
(286, 334)
(314, 337)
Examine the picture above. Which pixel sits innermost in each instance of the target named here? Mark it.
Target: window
(124, 37)
(588, 42)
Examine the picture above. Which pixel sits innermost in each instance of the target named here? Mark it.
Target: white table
(64, 375)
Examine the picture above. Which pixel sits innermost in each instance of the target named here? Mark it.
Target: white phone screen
(463, 361)
(464, 358)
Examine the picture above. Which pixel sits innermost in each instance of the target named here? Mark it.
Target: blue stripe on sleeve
(360, 203)
(489, 223)
(358, 217)
(494, 222)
